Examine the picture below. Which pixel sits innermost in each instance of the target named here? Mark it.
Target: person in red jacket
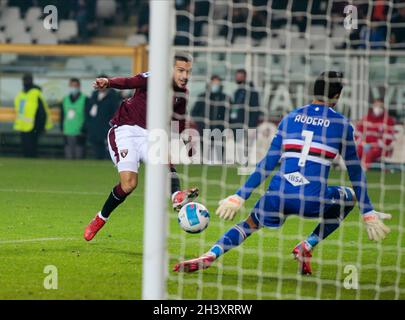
(375, 134)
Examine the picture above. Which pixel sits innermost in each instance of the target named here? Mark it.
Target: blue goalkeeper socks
(232, 238)
(312, 241)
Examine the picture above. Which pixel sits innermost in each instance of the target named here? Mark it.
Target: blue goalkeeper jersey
(307, 141)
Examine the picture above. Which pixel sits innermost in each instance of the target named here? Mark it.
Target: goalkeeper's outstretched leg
(231, 239)
(265, 213)
(343, 200)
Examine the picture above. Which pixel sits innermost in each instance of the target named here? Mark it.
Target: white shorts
(128, 146)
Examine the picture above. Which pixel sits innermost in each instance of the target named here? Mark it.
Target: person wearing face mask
(32, 116)
(245, 112)
(211, 110)
(72, 120)
(375, 134)
(101, 108)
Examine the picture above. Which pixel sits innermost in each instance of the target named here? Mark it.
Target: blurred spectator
(183, 23)
(238, 27)
(126, 7)
(102, 106)
(190, 19)
(259, 24)
(245, 109)
(201, 14)
(373, 37)
(24, 5)
(278, 16)
(374, 134)
(33, 116)
(398, 29)
(260, 3)
(143, 19)
(72, 120)
(379, 11)
(319, 12)
(374, 34)
(84, 13)
(299, 12)
(211, 111)
(81, 18)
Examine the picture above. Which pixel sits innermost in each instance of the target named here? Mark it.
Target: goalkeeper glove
(376, 229)
(229, 206)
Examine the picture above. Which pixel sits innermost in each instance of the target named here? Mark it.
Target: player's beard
(183, 83)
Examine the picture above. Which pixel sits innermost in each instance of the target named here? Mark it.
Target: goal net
(281, 47)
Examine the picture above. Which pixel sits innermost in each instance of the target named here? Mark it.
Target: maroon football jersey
(133, 111)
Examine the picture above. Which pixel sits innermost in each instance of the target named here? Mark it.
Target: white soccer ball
(194, 217)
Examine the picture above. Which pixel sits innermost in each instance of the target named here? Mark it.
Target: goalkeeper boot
(180, 198)
(303, 255)
(192, 265)
(94, 226)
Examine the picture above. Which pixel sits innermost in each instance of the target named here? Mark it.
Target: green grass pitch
(45, 205)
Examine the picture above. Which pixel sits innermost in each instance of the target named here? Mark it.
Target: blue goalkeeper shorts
(272, 209)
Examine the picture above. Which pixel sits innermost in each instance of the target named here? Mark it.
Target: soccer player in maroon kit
(127, 139)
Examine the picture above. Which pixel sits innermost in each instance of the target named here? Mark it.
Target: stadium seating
(37, 28)
(32, 16)
(242, 42)
(68, 30)
(47, 38)
(221, 10)
(106, 8)
(271, 42)
(76, 64)
(136, 40)
(14, 28)
(9, 15)
(22, 38)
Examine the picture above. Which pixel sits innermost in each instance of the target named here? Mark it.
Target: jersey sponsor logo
(124, 153)
(296, 179)
(312, 120)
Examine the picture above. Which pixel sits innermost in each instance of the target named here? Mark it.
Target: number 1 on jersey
(308, 136)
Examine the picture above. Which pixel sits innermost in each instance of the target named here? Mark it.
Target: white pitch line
(89, 193)
(83, 193)
(35, 240)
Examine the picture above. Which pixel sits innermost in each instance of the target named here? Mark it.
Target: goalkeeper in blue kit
(307, 141)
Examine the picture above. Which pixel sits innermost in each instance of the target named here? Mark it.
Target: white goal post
(155, 231)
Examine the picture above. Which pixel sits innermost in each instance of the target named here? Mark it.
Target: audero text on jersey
(312, 120)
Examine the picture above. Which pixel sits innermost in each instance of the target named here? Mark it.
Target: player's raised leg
(334, 214)
(180, 197)
(125, 155)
